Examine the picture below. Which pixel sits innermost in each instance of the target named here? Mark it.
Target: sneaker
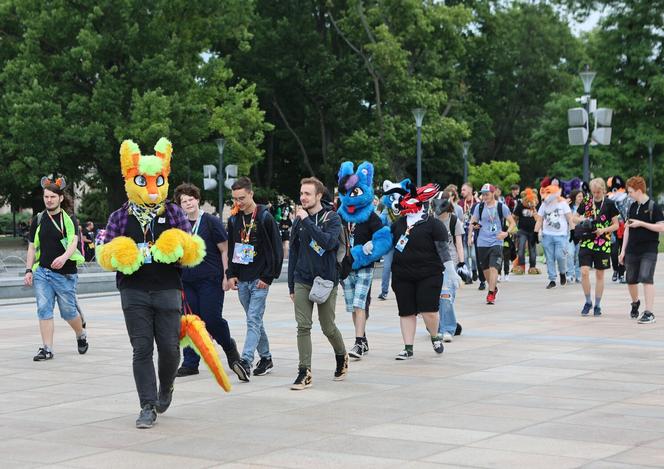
(82, 344)
(563, 279)
(382, 296)
(342, 367)
(303, 380)
(578, 280)
(507, 277)
(469, 281)
(244, 369)
(622, 280)
(501, 277)
(357, 351)
(551, 285)
(437, 343)
(614, 278)
(365, 345)
(474, 275)
(147, 417)
(458, 330)
(597, 311)
(263, 367)
(491, 298)
(647, 318)
(185, 371)
(164, 401)
(586, 309)
(404, 355)
(447, 337)
(42, 355)
(482, 286)
(634, 313)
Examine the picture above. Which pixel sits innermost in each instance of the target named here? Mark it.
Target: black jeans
(206, 299)
(153, 316)
(529, 239)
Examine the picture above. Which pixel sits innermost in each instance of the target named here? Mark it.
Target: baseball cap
(487, 188)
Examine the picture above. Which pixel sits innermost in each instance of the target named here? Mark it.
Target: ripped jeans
(448, 322)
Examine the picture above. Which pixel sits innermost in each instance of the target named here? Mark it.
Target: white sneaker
(501, 278)
(507, 278)
(447, 337)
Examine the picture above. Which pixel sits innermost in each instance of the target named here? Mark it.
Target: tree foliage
(498, 173)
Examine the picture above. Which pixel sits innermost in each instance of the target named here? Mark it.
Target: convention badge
(144, 249)
(401, 244)
(351, 240)
(243, 254)
(314, 245)
(494, 228)
(161, 220)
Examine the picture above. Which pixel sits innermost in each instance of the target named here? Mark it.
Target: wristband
(28, 271)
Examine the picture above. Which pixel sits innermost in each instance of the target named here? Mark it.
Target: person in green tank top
(51, 267)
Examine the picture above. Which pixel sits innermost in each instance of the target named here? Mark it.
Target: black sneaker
(404, 355)
(622, 280)
(303, 380)
(382, 296)
(246, 367)
(482, 286)
(597, 311)
(341, 370)
(458, 330)
(42, 355)
(147, 417)
(586, 309)
(365, 345)
(563, 279)
(437, 343)
(263, 367)
(357, 351)
(82, 345)
(634, 313)
(551, 285)
(164, 401)
(184, 371)
(647, 318)
(474, 275)
(614, 278)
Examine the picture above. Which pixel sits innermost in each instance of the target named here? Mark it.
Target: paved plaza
(529, 384)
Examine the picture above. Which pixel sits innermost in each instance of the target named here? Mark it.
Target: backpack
(499, 208)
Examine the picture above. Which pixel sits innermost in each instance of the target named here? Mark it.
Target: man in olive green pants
(313, 253)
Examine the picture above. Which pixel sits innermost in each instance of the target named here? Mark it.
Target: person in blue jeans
(573, 266)
(554, 222)
(257, 254)
(204, 284)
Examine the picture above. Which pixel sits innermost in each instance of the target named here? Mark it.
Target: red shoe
(490, 298)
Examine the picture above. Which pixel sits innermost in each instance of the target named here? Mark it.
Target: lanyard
(60, 228)
(197, 225)
(247, 233)
(324, 218)
(595, 211)
(351, 228)
(150, 228)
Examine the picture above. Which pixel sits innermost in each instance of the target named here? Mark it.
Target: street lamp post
(418, 113)
(221, 142)
(466, 147)
(587, 77)
(651, 145)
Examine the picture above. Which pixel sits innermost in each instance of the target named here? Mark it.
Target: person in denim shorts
(639, 253)
(51, 267)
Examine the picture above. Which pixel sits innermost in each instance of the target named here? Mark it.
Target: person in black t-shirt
(51, 267)
(639, 252)
(601, 214)
(257, 254)
(525, 213)
(203, 284)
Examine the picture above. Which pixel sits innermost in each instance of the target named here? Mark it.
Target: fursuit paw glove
(452, 279)
(463, 271)
(121, 254)
(367, 248)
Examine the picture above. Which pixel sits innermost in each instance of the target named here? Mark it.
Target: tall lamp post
(419, 117)
(466, 147)
(587, 77)
(221, 142)
(651, 145)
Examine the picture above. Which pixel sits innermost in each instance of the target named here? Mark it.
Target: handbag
(320, 290)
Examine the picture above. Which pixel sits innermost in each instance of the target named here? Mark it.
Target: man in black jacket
(254, 242)
(313, 253)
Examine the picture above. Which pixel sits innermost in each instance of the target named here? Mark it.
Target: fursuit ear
(45, 181)
(164, 149)
(346, 169)
(129, 156)
(405, 183)
(60, 182)
(365, 172)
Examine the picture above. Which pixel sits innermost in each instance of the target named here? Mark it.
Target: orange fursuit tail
(193, 334)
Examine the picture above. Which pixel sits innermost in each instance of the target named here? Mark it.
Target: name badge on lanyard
(61, 229)
(403, 241)
(197, 225)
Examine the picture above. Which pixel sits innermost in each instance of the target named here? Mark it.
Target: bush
(6, 222)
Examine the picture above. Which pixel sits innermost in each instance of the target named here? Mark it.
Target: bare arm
(459, 248)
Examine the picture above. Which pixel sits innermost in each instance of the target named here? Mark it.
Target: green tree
(498, 173)
(83, 76)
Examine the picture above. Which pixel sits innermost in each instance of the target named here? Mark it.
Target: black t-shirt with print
(642, 240)
(361, 233)
(50, 244)
(603, 213)
(526, 217)
(419, 258)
